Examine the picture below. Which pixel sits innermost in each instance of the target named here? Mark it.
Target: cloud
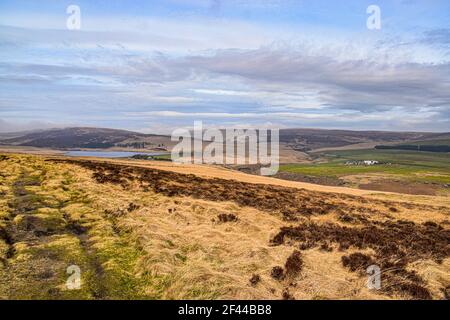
(270, 83)
(17, 126)
(124, 71)
(439, 38)
(353, 84)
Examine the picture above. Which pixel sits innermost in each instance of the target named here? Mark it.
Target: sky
(155, 66)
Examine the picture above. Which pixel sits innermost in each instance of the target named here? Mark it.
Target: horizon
(151, 66)
(206, 127)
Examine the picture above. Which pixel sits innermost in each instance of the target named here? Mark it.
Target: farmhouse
(362, 163)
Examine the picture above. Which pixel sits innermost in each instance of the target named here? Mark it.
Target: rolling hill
(151, 230)
(83, 137)
(313, 139)
(297, 139)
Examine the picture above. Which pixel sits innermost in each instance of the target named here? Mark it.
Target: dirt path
(40, 237)
(34, 223)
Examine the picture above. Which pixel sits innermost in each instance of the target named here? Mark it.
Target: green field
(441, 142)
(165, 157)
(419, 166)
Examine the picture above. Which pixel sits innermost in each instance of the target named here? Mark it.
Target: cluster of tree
(138, 145)
(149, 157)
(142, 157)
(418, 147)
(95, 145)
(135, 145)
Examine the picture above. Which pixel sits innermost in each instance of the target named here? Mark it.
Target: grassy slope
(166, 247)
(420, 166)
(49, 222)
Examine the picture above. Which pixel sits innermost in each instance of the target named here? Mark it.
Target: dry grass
(133, 242)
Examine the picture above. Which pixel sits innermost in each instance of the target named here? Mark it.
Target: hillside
(98, 138)
(440, 144)
(150, 233)
(297, 140)
(311, 139)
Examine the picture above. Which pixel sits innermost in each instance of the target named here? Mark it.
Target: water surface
(110, 154)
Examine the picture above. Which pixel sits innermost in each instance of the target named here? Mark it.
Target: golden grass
(169, 247)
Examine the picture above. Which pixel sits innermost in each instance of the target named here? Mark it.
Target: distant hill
(84, 138)
(438, 145)
(301, 140)
(311, 139)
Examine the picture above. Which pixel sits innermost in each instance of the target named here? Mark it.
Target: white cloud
(117, 69)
